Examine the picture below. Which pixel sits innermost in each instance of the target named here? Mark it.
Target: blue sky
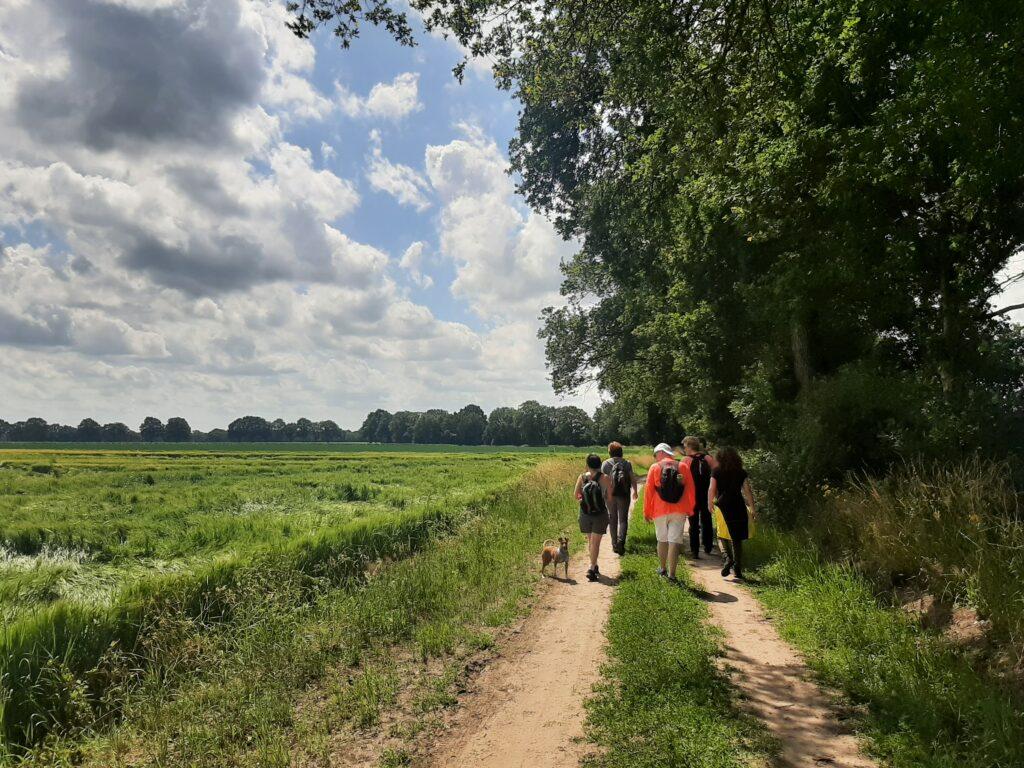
(205, 216)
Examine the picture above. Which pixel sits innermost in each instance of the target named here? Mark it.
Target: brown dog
(552, 554)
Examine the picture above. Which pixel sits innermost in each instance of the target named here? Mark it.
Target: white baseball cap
(664, 448)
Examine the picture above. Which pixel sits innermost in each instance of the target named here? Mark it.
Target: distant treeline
(529, 424)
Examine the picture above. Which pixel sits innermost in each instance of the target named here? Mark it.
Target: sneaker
(727, 567)
(696, 554)
(662, 572)
(707, 550)
(672, 580)
(592, 574)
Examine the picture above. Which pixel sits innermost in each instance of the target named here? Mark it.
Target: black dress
(730, 500)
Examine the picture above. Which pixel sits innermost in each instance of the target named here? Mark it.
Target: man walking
(623, 479)
(669, 502)
(700, 466)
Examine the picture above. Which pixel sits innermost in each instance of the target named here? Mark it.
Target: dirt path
(773, 678)
(526, 709)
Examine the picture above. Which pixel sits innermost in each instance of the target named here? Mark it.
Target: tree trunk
(801, 354)
(948, 331)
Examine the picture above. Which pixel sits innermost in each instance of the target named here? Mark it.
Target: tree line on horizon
(531, 423)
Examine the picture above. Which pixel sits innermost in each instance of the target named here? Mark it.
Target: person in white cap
(669, 500)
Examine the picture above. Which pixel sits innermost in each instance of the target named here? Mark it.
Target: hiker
(594, 492)
(700, 465)
(730, 490)
(620, 472)
(669, 502)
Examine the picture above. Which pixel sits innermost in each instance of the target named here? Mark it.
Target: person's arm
(748, 494)
(578, 492)
(649, 492)
(712, 493)
(608, 488)
(632, 477)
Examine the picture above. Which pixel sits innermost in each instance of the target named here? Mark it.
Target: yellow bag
(723, 530)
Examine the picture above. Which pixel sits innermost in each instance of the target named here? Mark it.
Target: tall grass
(291, 670)
(928, 704)
(955, 530)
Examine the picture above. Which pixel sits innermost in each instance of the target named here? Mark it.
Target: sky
(203, 216)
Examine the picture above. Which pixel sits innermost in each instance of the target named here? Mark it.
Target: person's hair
(729, 460)
(691, 442)
(593, 461)
(615, 449)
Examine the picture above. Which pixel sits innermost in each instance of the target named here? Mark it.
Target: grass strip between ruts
(929, 704)
(664, 702)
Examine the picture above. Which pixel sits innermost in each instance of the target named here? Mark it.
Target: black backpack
(700, 471)
(592, 502)
(671, 488)
(621, 481)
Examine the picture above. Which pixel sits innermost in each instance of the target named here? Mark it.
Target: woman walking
(730, 490)
(594, 493)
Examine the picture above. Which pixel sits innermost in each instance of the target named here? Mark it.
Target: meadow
(97, 546)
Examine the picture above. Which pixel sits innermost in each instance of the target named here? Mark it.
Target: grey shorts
(593, 523)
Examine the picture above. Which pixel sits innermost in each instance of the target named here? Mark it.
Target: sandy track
(774, 680)
(526, 708)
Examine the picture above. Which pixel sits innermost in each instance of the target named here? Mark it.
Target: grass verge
(928, 705)
(665, 703)
(300, 682)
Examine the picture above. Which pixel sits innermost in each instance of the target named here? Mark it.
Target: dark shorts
(593, 523)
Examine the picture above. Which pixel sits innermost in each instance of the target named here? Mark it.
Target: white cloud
(506, 259)
(400, 181)
(389, 101)
(411, 263)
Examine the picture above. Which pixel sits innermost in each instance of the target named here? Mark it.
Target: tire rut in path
(526, 708)
(774, 680)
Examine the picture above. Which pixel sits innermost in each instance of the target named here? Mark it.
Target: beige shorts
(671, 528)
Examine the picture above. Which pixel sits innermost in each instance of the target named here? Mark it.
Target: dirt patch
(774, 681)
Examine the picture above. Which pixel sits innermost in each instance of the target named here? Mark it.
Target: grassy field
(99, 546)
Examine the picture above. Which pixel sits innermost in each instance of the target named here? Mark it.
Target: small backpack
(592, 502)
(620, 478)
(671, 488)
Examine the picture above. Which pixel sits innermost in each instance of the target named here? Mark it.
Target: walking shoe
(738, 576)
(662, 572)
(727, 567)
(673, 580)
(696, 554)
(593, 574)
(707, 550)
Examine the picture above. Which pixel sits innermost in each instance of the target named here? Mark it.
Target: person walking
(594, 493)
(623, 479)
(669, 502)
(730, 489)
(700, 466)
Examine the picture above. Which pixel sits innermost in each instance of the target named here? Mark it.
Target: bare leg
(595, 548)
(663, 554)
(673, 558)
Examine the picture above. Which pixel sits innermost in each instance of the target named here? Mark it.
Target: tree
(535, 423)
(306, 431)
(177, 430)
(432, 427)
(116, 432)
(571, 426)
(377, 427)
(469, 424)
(249, 429)
(401, 426)
(151, 430)
(503, 427)
(89, 431)
(330, 432)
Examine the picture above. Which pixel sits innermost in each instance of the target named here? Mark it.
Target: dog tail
(549, 543)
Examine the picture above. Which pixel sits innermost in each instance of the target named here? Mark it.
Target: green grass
(664, 702)
(102, 545)
(301, 667)
(929, 703)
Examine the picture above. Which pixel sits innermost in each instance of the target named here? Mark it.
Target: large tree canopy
(793, 215)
